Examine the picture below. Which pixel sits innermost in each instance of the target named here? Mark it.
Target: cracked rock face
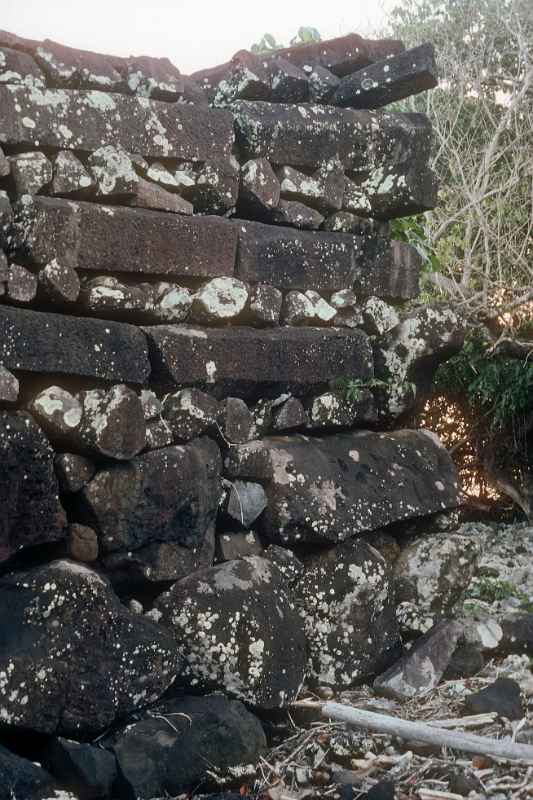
(72, 658)
(239, 631)
(347, 607)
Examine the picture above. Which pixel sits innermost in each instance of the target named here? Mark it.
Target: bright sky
(193, 33)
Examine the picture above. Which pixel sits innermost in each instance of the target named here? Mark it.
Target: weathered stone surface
(83, 659)
(259, 190)
(236, 421)
(503, 696)
(289, 83)
(151, 404)
(112, 422)
(67, 66)
(392, 192)
(516, 633)
(158, 434)
(245, 362)
(9, 386)
(189, 413)
(57, 411)
(31, 513)
(216, 186)
(289, 416)
(421, 669)
(5, 166)
(361, 140)
(324, 189)
(82, 543)
(158, 563)
(332, 411)
(30, 172)
(264, 306)
(348, 309)
(85, 236)
(22, 778)
(156, 78)
(220, 300)
(52, 343)
(73, 471)
(168, 495)
(307, 309)
(324, 261)
(284, 559)
(70, 176)
(86, 120)
(148, 195)
(238, 545)
(379, 317)
(207, 733)
(20, 68)
(59, 283)
(246, 77)
(253, 646)
(347, 606)
(113, 171)
(296, 215)
(345, 222)
(245, 502)
(21, 285)
(432, 575)
(85, 769)
(322, 84)
(389, 80)
(330, 488)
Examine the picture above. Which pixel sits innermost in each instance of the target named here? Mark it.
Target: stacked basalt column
(205, 349)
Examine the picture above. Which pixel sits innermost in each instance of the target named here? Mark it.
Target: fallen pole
(421, 732)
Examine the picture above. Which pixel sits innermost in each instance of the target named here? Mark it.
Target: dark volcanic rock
(291, 259)
(157, 78)
(246, 362)
(86, 120)
(167, 495)
(73, 471)
(21, 778)
(30, 172)
(347, 605)
(386, 81)
(259, 188)
(117, 239)
(289, 83)
(58, 412)
(82, 543)
(236, 421)
(156, 759)
(239, 631)
(9, 386)
(190, 413)
(70, 67)
(246, 501)
(17, 67)
(74, 659)
(53, 343)
(113, 422)
(87, 770)
(503, 696)
(31, 513)
(517, 633)
(420, 670)
(330, 488)
(22, 284)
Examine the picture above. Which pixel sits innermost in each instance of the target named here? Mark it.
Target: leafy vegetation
(268, 43)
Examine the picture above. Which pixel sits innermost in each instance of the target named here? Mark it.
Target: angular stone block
(389, 80)
(17, 67)
(245, 362)
(331, 488)
(32, 341)
(117, 239)
(86, 120)
(73, 68)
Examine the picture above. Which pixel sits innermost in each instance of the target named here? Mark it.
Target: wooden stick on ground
(421, 732)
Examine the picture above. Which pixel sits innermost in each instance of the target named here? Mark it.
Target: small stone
(85, 769)
(420, 670)
(322, 84)
(259, 190)
(30, 172)
(113, 422)
(114, 172)
(22, 284)
(220, 300)
(189, 413)
(146, 194)
(156, 78)
(5, 167)
(158, 435)
(59, 282)
(379, 317)
(167, 302)
(151, 404)
(296, 215)
(324, 189)
(246, 501)
(291, 415)
(82, 543)
(247, 79)
(264, 307)
(9, 386)
(466, 661)
(216, 187)
(236, 421)
(503, 696)
(348, 314)
(289, 83)
(330, 411)
(73, 472)
(136, 607)
(58, 412)
(158, 173)
(140, 164)
(107, 296)
(22, 778)
(324, 312)
(70, 177)
(238, 545)
(297, 309)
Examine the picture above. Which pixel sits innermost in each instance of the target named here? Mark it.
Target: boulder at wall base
(157, 759)
(85, 769)
(21, 779)
(30, 512)
(331, 488)
(72, 658)
(167, 495)
(347, 605)
(239, 631)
